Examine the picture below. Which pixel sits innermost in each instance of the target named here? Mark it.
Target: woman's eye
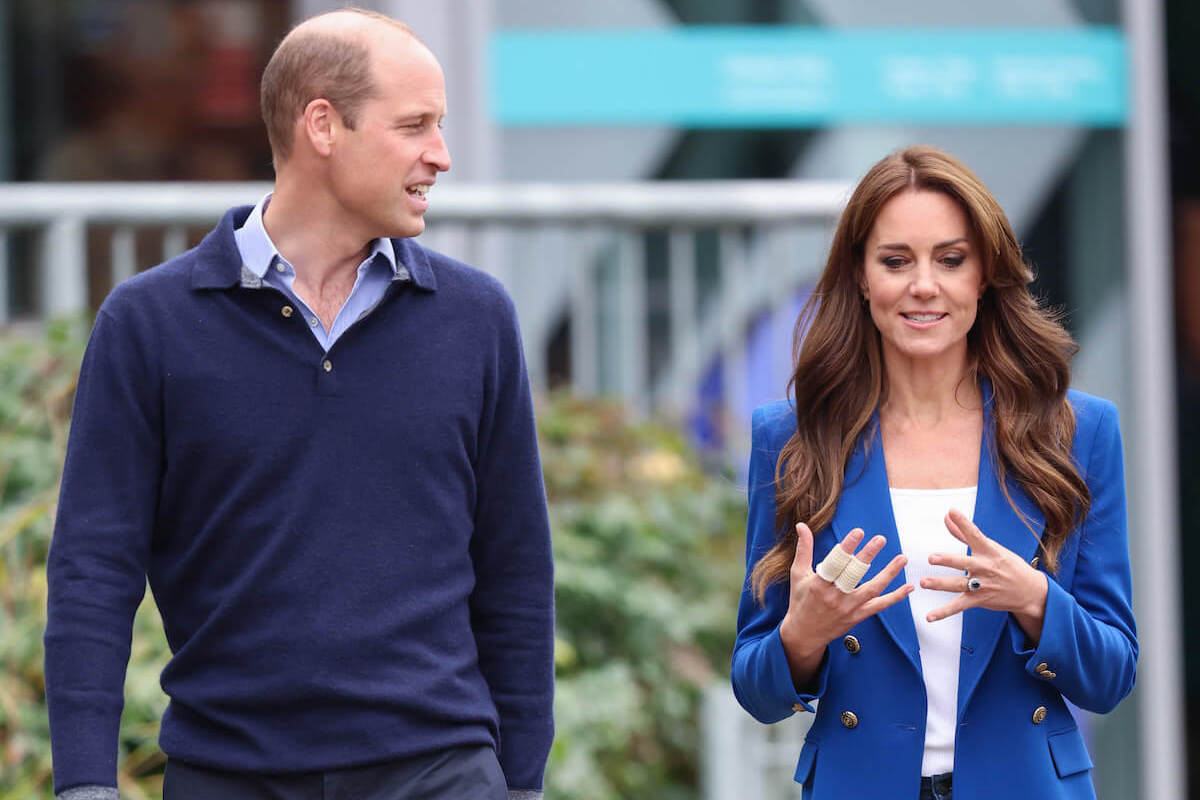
(894, 262)
(953, 261)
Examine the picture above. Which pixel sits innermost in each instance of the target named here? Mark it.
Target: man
(317, 443)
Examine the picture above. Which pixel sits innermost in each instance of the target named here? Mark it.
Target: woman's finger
(945, 583)
(871, 549)
(851, 542)
(804, 545)
(960, 603)
(884, 577)
(877, 604)
(963, 529)
(954, 561)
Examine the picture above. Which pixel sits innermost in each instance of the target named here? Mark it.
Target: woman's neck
(924, 393)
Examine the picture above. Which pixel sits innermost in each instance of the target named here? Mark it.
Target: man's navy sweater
(350, 549)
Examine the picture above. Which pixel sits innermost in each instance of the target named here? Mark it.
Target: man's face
(381, 170)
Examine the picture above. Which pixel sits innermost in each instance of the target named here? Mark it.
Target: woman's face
(922, 277)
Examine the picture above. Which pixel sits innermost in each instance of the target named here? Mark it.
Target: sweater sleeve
(512, 606)
(1089, 639)
(99, 552)
(762, 679)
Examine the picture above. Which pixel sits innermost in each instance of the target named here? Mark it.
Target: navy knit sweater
(350, 550)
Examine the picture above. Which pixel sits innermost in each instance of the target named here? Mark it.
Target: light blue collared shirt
(260, 256)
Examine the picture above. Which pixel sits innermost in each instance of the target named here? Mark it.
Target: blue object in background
(785, 76)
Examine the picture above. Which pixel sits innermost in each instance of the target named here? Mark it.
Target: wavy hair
(1015, 343)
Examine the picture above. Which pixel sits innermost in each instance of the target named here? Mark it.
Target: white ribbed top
(920, 521)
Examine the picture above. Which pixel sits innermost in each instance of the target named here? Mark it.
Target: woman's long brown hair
(839, 377)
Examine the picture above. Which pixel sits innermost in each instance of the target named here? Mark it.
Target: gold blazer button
(852, 644)
(850, 719)
(1039, 714)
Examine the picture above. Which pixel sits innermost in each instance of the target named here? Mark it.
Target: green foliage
(647, 559)
(648, 562)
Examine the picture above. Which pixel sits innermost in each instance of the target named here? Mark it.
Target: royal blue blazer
(1015, 736)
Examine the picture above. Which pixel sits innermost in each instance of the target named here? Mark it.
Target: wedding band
(973, 585)
(851, 575)
(834, 563)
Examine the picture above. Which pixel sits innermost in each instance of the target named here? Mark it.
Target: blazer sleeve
(762, 680)
(1089, 639)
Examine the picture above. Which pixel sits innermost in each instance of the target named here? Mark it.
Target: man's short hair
(313, 61)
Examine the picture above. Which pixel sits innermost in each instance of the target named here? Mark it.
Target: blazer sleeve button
(797, 707)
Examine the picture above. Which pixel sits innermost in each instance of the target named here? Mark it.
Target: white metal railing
(573, 252)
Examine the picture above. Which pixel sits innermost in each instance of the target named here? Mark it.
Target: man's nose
(438, 154)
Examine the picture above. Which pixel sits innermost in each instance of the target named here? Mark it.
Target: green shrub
(647, 563)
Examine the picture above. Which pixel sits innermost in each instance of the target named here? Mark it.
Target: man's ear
(319, 124)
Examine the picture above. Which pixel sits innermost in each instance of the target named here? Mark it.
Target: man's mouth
(419, 190)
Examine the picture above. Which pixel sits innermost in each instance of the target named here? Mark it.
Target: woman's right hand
(819, 612)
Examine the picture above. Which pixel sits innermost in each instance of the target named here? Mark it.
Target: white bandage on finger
(834, 563)
(851, 575)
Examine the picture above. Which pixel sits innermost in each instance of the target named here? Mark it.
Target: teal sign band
(802, 77)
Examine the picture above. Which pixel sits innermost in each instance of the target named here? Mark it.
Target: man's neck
(307, 232)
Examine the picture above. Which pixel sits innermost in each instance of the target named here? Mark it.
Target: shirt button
(279, 267)
(312, 321)
(327, 365)
(286, 311)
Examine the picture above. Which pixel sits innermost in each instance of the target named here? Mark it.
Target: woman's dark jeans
(936, 788)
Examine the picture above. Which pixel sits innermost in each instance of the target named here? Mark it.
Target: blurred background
(655, 181)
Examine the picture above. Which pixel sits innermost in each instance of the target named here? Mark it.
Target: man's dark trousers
(464, 773)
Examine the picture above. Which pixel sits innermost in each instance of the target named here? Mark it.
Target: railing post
(631, 316)
(4, 278)
(681, 283)
(64, 267)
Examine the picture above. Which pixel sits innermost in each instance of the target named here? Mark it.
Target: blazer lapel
(1019, 532)
(866, 503)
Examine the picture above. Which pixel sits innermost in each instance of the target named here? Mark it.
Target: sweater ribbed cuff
(89, 793)
(523, 795)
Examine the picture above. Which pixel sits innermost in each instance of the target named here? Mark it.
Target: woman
(932, 421)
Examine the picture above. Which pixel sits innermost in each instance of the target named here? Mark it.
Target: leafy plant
(647, 559)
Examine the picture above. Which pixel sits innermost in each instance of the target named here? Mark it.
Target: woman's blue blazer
(1005, 747)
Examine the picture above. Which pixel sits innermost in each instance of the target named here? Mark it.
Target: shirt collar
(259, 252)
(217, 263)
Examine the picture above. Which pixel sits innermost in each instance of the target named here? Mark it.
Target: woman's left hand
(1006, 581)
